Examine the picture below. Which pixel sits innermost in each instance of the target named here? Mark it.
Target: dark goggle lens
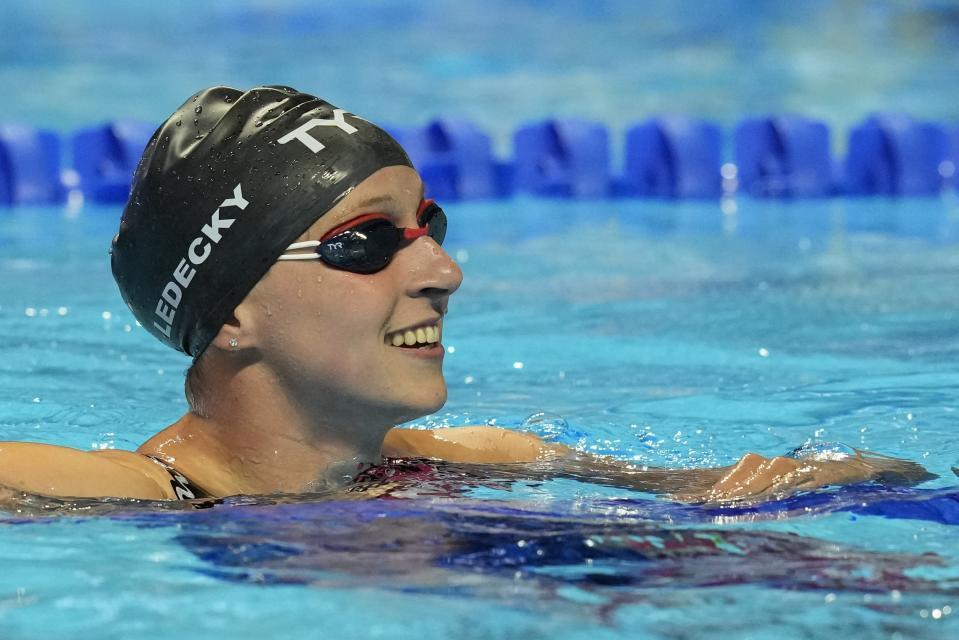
(366, 248)
(434, 218)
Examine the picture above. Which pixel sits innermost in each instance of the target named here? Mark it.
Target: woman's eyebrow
(371, 201)
(374, 200)
(354, 210)
(380, 199)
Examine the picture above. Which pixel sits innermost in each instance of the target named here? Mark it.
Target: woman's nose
(432, 271)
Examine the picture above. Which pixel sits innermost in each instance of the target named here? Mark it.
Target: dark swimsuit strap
(182, 487)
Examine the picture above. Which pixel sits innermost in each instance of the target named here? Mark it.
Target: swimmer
(286, 246)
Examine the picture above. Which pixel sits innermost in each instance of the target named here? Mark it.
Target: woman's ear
(228, 337)
(237, 332)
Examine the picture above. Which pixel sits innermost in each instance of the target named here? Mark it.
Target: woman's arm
(752, 476)
(52, 470)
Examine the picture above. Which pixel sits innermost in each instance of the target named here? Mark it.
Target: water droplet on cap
(198, 109)
(178, 123)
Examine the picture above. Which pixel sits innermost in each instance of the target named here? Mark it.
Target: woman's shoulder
(142, 463)
(55, 470)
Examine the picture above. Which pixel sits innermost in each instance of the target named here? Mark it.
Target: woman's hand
(755, 476)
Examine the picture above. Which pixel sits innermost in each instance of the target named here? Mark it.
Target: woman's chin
(421, 406)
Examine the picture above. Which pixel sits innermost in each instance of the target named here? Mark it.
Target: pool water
(660, 333)
(676, 334)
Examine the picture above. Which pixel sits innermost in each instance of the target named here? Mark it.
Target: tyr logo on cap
(302, 132)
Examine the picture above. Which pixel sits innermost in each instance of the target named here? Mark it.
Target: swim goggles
(367, 244)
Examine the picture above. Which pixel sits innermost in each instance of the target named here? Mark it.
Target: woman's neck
(255, 439)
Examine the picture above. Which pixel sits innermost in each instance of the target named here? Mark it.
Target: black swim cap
(223, 187)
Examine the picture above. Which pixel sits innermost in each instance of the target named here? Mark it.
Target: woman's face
(330, 334)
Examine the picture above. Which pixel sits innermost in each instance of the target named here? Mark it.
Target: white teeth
(411, 337)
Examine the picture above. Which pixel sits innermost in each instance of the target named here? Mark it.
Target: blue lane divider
(783, 157)
(29, 166)
(105, 156)
(562, 158)
(893, 154)
(779, 156)
(455, 159)
(950, 167)
(6, 174)
(672, 157)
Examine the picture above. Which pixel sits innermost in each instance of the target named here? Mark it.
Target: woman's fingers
(753, 475)
(756, 476)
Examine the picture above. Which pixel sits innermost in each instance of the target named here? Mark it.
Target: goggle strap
(306, 244)
(300, 256)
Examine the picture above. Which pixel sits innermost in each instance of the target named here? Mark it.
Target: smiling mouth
(418, 338)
